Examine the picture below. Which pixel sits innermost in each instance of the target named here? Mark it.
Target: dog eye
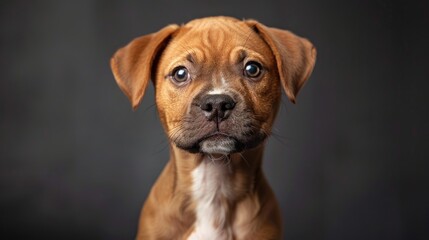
(180, 74)
(252, 70)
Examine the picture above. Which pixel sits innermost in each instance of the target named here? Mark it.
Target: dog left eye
(180, 74)
(252, 69)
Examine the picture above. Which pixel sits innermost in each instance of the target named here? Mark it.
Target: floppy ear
(132, 65)
(295, 56)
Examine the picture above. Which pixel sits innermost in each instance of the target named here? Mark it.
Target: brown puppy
(218, 87)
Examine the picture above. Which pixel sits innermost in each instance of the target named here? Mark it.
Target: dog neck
(215, 187)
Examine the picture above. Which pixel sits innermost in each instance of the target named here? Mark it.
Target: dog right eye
(180, 74)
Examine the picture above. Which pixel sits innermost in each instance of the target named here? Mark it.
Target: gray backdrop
(349, 160)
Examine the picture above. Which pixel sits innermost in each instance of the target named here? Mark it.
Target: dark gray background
(349, 160)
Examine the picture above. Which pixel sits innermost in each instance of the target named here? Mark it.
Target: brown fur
(212, 49)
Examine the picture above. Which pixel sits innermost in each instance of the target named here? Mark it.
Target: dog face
(217, 80)
(217, 88)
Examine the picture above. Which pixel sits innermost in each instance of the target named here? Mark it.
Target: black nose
(217, 106)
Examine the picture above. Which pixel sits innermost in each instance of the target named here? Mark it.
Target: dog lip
(216, 135)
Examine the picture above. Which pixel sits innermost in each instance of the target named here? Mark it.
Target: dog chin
(222, 146)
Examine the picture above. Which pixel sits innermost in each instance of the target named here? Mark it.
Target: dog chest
(211, 191)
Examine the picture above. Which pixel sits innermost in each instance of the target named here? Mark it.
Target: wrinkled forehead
(218, 40)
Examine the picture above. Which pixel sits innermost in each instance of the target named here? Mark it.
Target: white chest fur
(211, 189)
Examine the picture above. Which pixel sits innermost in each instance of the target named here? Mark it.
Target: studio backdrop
(347, 161)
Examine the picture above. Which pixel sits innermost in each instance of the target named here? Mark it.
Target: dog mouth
(213, 143)
(215, 136)
(220, 143)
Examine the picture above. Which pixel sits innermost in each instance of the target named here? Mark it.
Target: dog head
(217, 80)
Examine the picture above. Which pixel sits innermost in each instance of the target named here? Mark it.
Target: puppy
(218, 86)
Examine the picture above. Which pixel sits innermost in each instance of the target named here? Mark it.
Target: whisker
(162, 149)
(216, 159)
(279, 138)
(228, 161)
(149, 107)
(245, 160)
(247, 39)
(284, 104)
(175, 134)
